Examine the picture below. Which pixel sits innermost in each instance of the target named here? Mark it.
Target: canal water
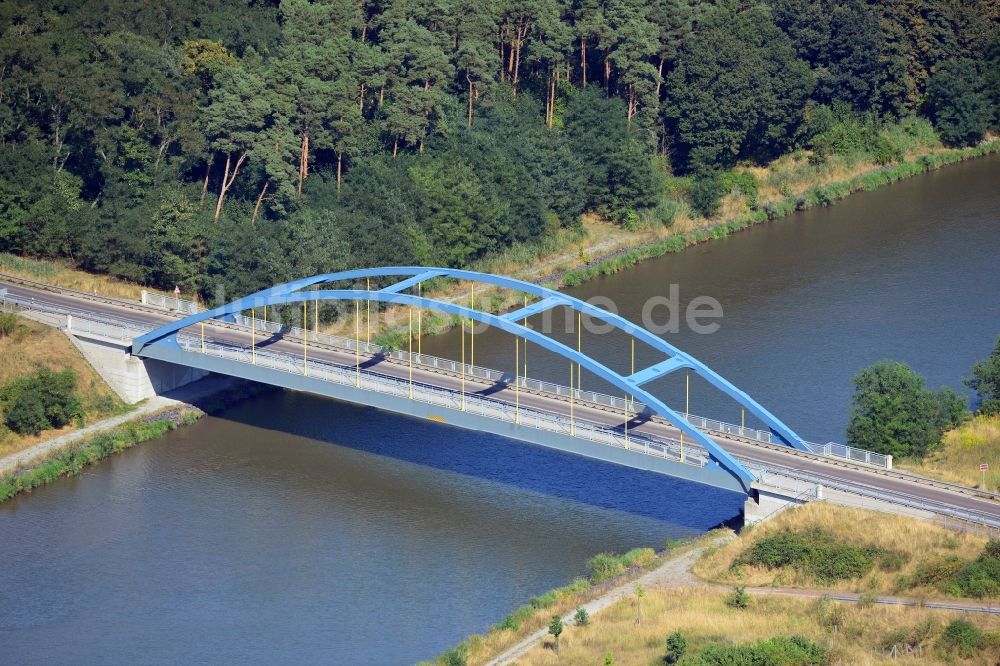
(909, 272)
(297, 529)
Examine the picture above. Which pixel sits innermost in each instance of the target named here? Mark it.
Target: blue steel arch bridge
(704, 461)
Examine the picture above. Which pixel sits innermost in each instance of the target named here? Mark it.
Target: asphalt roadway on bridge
(856, 474)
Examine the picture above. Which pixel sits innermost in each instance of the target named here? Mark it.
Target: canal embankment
(814, 571)
(70, 453)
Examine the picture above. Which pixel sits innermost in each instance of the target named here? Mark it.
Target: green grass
(823, 195)
(75, 460)
(819, 554)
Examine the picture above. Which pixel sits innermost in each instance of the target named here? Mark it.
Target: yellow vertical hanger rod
(463, 364)
(357, 343)
(517, 380)
(409, 351)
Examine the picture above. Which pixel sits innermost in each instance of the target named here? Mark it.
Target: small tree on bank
(556, 628)
(676, 647)
(893, 412)
(985, 381)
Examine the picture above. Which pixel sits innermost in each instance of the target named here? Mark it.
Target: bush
(676, 647)
(778, 651)
(985, 381)
(8, 324)
(961, 637)
(42, 401)
(707, 193)
(738, 598)
(980, 579)
(582, 618)
(604, 566)
(457, 656)
(818, 554)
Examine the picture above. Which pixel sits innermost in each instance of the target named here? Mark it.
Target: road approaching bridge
(652, 437)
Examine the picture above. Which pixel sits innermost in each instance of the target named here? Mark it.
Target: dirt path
(676, 573)
(47, 448)
(673, 573)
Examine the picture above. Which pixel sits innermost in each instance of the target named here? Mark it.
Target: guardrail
(472, 372)
(169, 302)
(771, 471)
(614, 403)
(476, 404)
(662, 447)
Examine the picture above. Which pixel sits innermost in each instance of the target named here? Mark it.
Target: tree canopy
(225, 144)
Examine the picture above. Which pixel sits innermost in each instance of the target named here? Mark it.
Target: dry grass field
(857, 635)
(62, 275)
(35, 345)
(965, 447)
(917, 541)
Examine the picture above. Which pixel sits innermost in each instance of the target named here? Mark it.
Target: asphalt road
(813, 465)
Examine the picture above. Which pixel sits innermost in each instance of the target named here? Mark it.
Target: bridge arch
(674, 358)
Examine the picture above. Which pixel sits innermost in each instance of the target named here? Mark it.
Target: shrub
(985, 381)
(738, 598)
(604, 566)
(961, 637)
(980, 578)
(676, 647)
(936, 572)
(816, 553)
(778, 651)
(8, 324)
(582, 618)
(706, 194)
(457, 656)
(743, 182)
(42, 401)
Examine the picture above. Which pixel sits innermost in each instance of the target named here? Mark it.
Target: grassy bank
(770, 630)
(33, 345)
(73, 461)
(62, 274)
(809, 192)
(817, 547)
(821, 546)
(570, 257)
(606, 571)
(794, 182)
(962, 451)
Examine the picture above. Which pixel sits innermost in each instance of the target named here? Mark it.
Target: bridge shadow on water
(692, 506)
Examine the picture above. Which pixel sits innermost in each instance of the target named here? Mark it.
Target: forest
(225, 145)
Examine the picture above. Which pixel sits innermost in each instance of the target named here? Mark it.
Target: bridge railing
(87, 322)
(616, 403)
(475, 404)
(169, 302)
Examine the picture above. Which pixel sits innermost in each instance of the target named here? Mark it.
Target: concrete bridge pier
(132, 378)
(766, 500)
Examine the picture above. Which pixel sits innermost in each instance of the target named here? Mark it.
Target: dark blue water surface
(294, 529)
(299, 529)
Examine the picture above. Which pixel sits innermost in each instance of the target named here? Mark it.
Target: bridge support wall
(134, 379)
(767, 501)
